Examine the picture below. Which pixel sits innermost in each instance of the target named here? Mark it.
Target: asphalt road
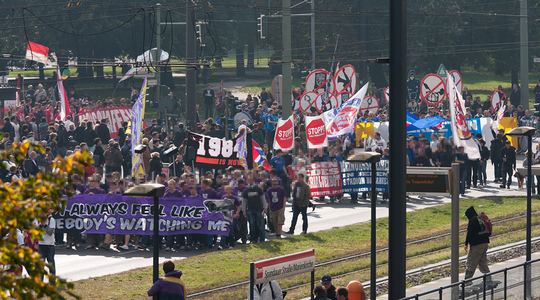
(82, 264)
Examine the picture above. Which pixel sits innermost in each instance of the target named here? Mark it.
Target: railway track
(367, 254)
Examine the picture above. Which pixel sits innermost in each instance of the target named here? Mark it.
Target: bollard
(356, 290)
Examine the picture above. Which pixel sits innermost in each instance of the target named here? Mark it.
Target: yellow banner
(509, 123)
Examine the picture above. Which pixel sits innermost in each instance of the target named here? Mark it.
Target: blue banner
(356, 177)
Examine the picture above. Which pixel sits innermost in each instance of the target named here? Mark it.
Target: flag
(461, 133)
(345, 118)
(241, 145)
(63, 97)
(37, 52)
(284, 137)
(258, 156)
(498, 118)
(137, 119)
(316, 132)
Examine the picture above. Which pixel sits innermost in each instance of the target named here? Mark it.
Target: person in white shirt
(377, 143)
(46, 244)
(267, 291)
(434, 142)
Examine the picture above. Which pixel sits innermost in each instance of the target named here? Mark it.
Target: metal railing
(501, 284)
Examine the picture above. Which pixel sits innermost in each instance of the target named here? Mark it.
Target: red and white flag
(284, 138)
(316, 132)
(461, 132)
(37, 52)
(63, 97)
(343, 121)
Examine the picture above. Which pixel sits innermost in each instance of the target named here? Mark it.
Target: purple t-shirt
(208, 194)
(275, 196)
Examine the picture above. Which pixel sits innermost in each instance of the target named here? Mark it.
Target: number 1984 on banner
(217, 152)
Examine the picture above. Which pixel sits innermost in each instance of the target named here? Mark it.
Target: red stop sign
(316, 132)
(285, 135)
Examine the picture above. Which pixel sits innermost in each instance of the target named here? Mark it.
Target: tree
(23, 202)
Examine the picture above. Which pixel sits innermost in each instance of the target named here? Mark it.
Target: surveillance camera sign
(433, 90)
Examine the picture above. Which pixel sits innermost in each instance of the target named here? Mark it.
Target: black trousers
(47, 252)
(296, 211)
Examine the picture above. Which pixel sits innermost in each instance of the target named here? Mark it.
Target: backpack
(486, 227)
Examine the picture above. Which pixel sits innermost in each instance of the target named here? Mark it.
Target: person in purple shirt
(207, 192)
(172, 191)
(169, 287)
(275, 196)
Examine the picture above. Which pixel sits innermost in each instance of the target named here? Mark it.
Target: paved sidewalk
(514, 282)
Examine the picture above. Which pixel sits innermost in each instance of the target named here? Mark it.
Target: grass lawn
(217, 268)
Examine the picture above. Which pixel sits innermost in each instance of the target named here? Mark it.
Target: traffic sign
(433, 89)
(442, 71)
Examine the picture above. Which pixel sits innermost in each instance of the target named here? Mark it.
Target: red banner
(325, 179)
(114, 114)
(284, 138)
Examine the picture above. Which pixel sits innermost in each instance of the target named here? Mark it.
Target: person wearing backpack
(477, 241)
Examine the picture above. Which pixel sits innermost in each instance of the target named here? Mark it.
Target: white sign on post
(284, 266)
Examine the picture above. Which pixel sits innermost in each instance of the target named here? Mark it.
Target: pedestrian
(326, 282)
(342, 293)
(266, 291)
(209, 96)
(301, 197)
(476, 243)
(320, 293)
(46, 244)
(275, 196)
(508, 164)
(169, 287)
(484, 156)
(461, 158)
(497, 146)
(255, 207)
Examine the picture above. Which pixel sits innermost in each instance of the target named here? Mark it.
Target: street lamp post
(528, 132)
(373, 158)
(154, 190)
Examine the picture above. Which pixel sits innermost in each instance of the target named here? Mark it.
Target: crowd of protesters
(259, 195)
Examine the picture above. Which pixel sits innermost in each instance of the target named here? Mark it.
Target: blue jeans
(256, 226)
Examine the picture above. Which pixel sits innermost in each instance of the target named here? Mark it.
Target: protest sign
(316, 132)
(433, 90)
(284, 138)
(324, 179)
(356, 176)
(115, 114)
(215, 152)
(117, 214)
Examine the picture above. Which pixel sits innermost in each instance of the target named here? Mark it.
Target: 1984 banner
(117, 214)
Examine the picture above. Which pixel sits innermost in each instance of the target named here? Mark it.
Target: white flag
(461, 132)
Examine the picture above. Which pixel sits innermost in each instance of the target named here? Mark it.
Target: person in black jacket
(508, 164)
(476, 243)
(497, 146)
(102, 131)
(484, 157)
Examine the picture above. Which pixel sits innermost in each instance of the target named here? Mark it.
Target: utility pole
(524, 53)
(313, 34)
(398, 94)
(157, 59)
(191, 74)
(286, 60)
